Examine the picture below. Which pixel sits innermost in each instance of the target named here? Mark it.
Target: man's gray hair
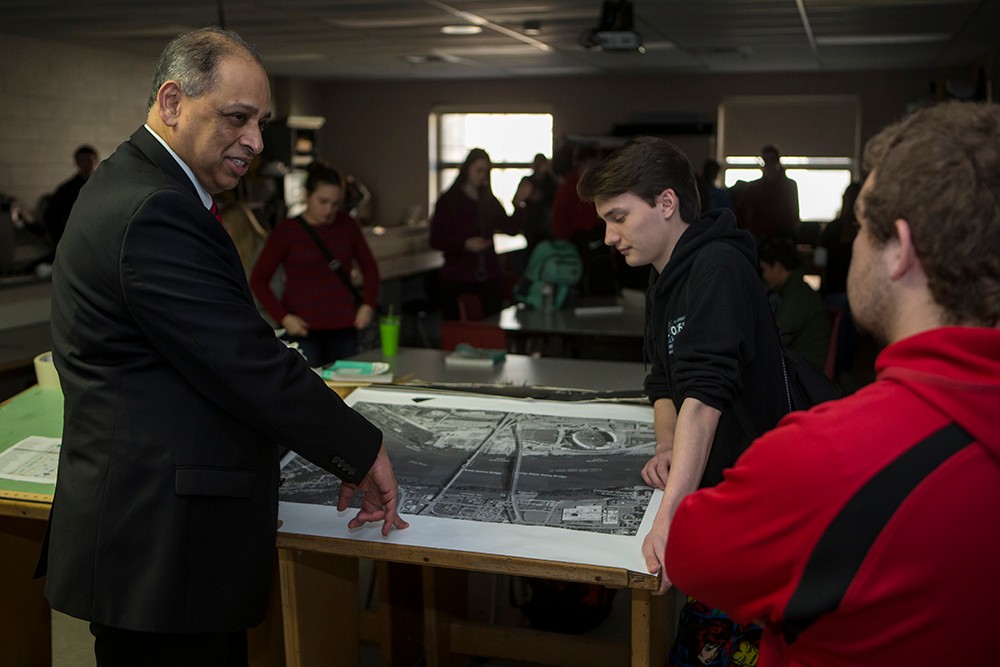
(192, 59)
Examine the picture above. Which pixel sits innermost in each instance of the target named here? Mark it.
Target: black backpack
(562, 606)
(806, 385)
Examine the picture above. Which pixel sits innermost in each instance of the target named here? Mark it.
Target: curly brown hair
(939, 170)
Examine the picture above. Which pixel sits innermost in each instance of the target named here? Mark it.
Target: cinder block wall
(56, 97)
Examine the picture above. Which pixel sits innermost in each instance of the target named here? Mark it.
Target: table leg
(652, 628)
(320, 608)
(25, 617)
(445, 601)
(265, 643)
(398, 617)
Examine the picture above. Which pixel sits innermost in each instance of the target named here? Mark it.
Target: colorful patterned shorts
(707, 637)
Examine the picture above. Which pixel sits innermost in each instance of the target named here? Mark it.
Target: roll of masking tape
(45, 371)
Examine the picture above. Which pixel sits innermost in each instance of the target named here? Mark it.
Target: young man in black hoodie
(716, 371)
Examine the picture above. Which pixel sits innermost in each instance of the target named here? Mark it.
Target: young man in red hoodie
(862, 532)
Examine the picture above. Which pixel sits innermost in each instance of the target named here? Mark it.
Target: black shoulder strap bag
(804, 385)
(332, 262)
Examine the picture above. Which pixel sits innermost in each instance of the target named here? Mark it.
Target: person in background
(769, 206)
(861, 533)
(320, 308)
(801, 315)
(574, 220)
(178, 397)
(833, 255)
(61, 202)
(711, 343)
(465, 218)
(357, 200)
(712, 196)
(542, 185)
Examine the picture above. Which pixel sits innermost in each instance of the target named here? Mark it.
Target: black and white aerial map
(501, 462)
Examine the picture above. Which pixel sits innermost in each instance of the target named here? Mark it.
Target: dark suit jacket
(177, 395)
(60, 204)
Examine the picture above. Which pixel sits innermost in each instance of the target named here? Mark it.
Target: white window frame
(797, 166)
(438, 167)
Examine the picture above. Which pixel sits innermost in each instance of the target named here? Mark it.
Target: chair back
(476, 334)
(470, 307)
(830, 367)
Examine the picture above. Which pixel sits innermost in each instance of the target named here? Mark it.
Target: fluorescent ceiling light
(453, 59)
(480, 21)
(293, 57)
(495, 50)
(662, 45)
(170, 30)
(551, 71)
(466, 29)
(877, 40)
(370, 23)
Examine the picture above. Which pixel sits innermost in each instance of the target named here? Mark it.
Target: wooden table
(25, 616)
(25, 625)
(317, 573)
(421, 590)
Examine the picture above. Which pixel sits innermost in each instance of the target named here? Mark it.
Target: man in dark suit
(177, 393)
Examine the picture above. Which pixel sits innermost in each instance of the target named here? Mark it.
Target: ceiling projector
(616, 40)
(614, 32)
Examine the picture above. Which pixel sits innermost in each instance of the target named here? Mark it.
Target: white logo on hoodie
(673, 329)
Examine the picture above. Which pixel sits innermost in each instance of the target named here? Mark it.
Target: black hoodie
(710, 335)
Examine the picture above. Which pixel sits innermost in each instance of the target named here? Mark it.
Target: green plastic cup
(388, 329)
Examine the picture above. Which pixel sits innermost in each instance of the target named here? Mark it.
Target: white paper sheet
(505, 538)
(34, 459)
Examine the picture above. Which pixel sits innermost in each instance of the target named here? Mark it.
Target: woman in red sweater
(320, 308)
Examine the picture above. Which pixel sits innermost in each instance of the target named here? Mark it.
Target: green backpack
(554, 267)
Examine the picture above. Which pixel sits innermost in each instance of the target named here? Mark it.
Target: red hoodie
(865, 531)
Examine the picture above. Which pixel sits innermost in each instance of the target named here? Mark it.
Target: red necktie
(214, 210)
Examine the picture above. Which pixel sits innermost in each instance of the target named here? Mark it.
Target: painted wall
(378, 131)
(56, 97)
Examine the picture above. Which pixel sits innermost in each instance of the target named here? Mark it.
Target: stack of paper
(466, 356)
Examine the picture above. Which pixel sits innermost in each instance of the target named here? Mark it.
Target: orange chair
(476, 334)
(830, 367)
(470, 307)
